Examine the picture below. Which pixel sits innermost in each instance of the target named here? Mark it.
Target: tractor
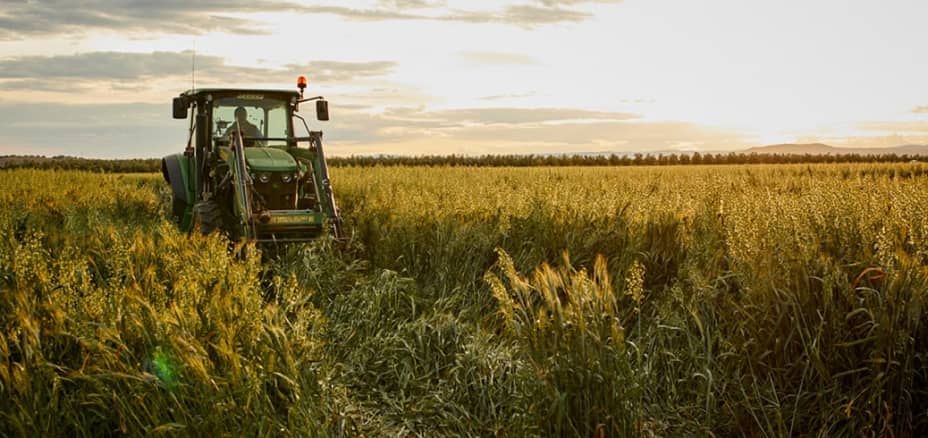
(244, 171)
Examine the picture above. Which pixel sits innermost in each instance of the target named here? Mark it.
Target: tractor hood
(269, 160)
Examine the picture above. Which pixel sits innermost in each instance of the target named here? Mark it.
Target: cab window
(264, 116)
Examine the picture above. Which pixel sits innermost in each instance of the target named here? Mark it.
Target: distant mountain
(824, 149)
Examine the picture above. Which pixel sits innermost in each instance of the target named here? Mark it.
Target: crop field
(762, 300)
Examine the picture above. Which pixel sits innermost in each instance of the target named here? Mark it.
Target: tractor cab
(245, 171)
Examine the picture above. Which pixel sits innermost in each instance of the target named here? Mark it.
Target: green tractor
(245, 173)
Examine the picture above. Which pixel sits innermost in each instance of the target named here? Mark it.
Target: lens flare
(162, 366)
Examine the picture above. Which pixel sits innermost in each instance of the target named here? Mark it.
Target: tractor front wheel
(208, 217)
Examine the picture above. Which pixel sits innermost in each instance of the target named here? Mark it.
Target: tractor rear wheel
(208, 217)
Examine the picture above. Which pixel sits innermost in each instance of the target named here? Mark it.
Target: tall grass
(751, 318)
(753, 300)
(112, 322)
(570, 327)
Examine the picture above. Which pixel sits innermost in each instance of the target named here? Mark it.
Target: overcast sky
(95, 78)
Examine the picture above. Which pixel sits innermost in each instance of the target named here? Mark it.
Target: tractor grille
(275, 194)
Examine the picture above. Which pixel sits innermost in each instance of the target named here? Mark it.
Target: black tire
(177, 210)
(208, 217)
(171, 171)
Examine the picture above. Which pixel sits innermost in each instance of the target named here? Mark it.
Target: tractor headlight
(286, 177)
(264, 178)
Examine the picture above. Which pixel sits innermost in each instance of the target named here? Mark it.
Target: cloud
(147, 130)
(906, 126)
(21, 20)
(103, 65)
(46, 85)
(497, 58)
(411, 4)
(47, 72)
(554, 3)
(511, 116)
(920, 109)
(329, 71)
(525, 16)
(363, 14)
(514, 130)
(629, 135)
(26, 19)
(90, 130)
(508, 96)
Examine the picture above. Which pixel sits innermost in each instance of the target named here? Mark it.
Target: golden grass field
(763, 300)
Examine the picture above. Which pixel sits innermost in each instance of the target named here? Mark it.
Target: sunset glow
(475, 77)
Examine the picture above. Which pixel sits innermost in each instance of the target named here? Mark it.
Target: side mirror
(322, 110)
(180, 108)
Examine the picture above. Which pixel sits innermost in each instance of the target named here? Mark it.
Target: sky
(95, 78)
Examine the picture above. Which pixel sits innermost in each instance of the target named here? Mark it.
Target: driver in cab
(242, 124)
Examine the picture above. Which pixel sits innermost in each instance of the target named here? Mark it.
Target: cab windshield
(255, 115)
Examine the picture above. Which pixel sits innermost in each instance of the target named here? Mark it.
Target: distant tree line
(135, 165)
(615, 160)
(142, 165)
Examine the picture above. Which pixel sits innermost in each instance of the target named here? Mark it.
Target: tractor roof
(226, 91)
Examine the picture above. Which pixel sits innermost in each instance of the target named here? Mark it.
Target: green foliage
(667, 301)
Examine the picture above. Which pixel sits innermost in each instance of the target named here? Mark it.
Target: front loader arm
(326, 184)
(243, 186)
